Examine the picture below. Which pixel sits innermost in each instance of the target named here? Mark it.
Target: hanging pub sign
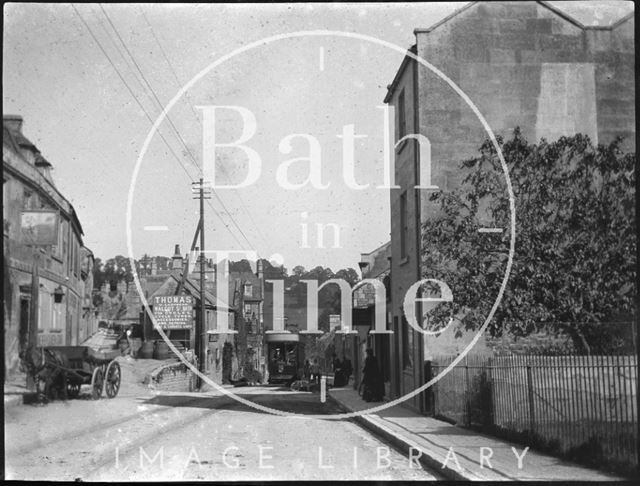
(39, 227)
(173, 311)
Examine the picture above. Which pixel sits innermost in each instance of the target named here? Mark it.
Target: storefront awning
(279, 337)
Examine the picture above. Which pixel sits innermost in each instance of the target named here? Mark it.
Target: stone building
(246, 288)
(373, 265)
(48, 303)
(522, 64)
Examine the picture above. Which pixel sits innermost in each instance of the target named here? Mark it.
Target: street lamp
(58, 294)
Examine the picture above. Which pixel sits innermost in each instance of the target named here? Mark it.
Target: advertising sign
(39, 227)
(173, 311)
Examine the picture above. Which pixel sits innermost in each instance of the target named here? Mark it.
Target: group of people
(341, 371)
(311, 372)
(372, 383)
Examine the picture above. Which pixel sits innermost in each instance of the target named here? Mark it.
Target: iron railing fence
(583, 407)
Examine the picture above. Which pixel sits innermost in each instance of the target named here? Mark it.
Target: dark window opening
(402, 121)
(404, 230)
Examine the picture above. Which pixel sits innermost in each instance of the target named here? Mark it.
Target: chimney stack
(14, 122)
(177, 261)
(260, 269)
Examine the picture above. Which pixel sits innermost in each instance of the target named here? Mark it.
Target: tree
(575, 256)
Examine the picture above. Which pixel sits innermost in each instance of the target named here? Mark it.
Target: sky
(90, 81)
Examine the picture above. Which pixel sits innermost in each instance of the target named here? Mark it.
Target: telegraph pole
(199, 188)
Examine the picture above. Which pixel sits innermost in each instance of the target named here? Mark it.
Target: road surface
(144, 436)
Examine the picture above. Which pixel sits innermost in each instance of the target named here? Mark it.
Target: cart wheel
(97, 382)
(112, 381)
(73, 390)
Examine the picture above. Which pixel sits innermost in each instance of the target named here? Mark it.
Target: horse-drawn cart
(60, 371)
(83, 365)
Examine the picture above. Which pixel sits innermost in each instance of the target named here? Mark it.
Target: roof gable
(586, 15)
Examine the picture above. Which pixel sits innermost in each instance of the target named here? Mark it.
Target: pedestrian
(315, 371)
(372, 379)
(338, 377)
(306, 371)
(346, 370)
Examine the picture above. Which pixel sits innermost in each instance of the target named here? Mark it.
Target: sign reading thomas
(173, 311)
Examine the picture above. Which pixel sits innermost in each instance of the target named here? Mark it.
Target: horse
(46, 367)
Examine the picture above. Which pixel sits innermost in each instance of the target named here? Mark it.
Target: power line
(145, 111)
(179, 84)
(125, 83)
(169, 118)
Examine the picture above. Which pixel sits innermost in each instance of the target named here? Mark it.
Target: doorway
(23, 330)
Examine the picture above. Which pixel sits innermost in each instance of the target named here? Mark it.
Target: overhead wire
(151, 120)
(179, 84)
(188, 150)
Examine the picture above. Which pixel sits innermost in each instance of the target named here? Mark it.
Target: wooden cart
(70, 367)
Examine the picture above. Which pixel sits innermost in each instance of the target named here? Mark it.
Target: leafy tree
(298, 270)
(574, 267)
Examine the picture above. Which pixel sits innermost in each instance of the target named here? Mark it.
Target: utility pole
(32, 333)
(199, 188)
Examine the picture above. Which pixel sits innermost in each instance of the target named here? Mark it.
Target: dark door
(24, 323)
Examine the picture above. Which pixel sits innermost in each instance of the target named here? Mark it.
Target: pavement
(456, 452)
(14, 393)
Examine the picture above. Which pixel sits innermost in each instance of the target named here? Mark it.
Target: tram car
(285, 354)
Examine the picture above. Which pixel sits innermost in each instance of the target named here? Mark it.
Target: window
(76, 260)
(70, 257)
(407, 345)
(27, 198)
(65, 246)
(404, 230)
(248, 290)
(58, 250)
(5, 206)
(402, 120)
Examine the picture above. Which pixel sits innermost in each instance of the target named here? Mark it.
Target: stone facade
(522, 64)
(62, 268)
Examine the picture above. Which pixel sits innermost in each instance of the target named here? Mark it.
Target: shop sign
(39, 227)
(173, 311)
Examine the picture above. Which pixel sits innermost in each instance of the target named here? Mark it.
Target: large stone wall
(524, 65)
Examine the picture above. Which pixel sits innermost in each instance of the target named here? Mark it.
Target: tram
(285, 353)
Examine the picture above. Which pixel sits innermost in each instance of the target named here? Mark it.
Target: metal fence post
(532, 418)
(467, 393)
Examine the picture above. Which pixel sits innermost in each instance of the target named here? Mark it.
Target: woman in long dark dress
(372, 379)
